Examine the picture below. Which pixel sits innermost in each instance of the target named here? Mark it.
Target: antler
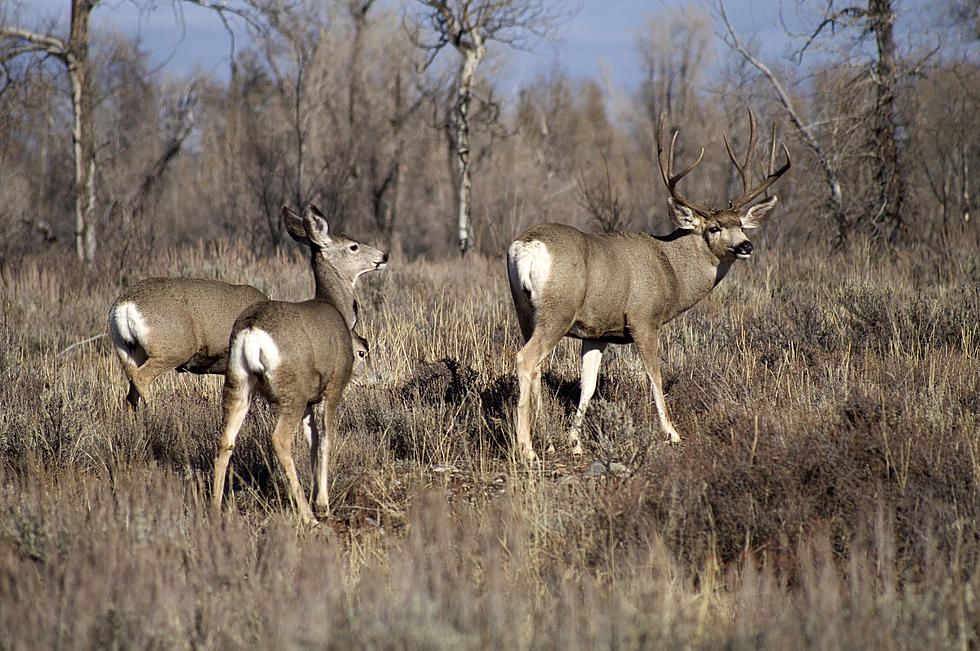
(667, 166)
(745, 168)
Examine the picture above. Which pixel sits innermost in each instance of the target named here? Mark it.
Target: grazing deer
(298, 355)
(622, 287)
(161, 324)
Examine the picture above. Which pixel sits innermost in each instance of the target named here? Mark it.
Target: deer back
(296, 349)
(188, 319)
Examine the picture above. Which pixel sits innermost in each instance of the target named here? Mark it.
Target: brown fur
(188, 321)
(308, 361)
(622, 287)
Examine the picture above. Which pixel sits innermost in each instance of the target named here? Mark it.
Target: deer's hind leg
(141, 378)
(235, 399)
(528, 362)
(319, 439)
(290, 417)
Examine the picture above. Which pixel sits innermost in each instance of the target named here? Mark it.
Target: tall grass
(825, 493)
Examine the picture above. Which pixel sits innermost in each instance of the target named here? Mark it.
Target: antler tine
(667, 165)
(771, 178)
(677, 177)
(744, 170)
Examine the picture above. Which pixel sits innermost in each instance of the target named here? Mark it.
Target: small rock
(595, 469)
(618, 468)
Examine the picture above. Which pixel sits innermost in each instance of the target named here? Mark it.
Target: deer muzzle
(743, 250)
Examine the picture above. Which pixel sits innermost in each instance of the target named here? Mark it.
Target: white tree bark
(461, 127)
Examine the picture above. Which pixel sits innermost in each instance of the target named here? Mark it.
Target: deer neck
(334, 288)
(696, 267)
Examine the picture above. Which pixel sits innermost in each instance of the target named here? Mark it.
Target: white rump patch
(253, 352)
(127, 327)
(529, 265)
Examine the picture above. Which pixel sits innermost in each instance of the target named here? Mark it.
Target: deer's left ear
(757, 215)
(682, 216)
(316, 225)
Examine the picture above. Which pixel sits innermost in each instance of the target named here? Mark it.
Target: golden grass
(824, 495)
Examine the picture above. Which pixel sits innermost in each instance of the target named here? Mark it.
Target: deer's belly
(614, 335)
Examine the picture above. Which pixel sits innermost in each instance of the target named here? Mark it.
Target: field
(824, 495)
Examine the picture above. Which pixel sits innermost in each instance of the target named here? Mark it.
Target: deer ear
(317, 229)
(757, 215)
(682, 216)
(294, 225)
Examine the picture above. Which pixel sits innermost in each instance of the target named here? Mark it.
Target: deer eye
(714, 229)
(354, 248)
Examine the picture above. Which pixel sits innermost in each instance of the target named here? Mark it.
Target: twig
(79, 343)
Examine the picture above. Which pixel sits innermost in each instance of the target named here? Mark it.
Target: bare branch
(836, 201)
(831, 21)
(32, 42)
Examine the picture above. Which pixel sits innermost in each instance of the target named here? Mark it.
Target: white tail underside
(529, 264)
(253, 352)
(128, 330)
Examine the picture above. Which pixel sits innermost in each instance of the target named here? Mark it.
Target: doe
(161, 324)
(298, 355)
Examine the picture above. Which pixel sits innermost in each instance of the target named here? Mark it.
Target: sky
(598, 41)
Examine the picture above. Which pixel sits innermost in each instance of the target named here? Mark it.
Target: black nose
(745, 248)
(384, 257)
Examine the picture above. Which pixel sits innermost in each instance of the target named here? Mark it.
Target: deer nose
(744, 249)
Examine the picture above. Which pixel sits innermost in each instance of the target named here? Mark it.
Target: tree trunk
(460, 121)
(82, 139)
(888, 178)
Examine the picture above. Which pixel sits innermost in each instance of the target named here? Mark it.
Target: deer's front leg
(591, 359)
(648, 346)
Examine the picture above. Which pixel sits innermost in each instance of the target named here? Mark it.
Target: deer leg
(591, 359)
(648, 349)
(141, 378)
(528, 360)
(320, 457)
(282, 443)
(536, 390)
(234, 402)
(309, 427)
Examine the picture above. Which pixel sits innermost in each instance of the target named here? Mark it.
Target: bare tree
(469, 26)
(883, 208)
(674, 46)
(835, 199)
(73, 53)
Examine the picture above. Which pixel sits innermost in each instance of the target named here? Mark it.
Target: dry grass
(825, 494)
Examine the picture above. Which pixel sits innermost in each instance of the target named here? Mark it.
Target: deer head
(723, 229)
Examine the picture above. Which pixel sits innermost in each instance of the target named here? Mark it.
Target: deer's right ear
(295, 226)
(682, 216)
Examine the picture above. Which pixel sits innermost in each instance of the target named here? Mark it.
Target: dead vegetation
(825, 495)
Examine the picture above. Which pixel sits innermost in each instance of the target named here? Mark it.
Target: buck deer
(622, 287)
(298, 355)
(161, 324)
